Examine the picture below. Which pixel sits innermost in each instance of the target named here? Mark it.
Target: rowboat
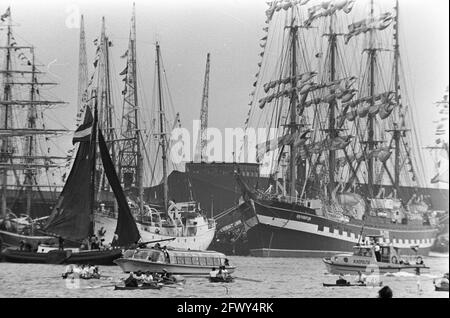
(156, 286)
(227, 279)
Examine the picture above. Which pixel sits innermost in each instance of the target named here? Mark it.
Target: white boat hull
(134, 265)
(200, 241)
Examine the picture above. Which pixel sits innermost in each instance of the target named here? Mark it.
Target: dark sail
(126, 229)
(71, 217)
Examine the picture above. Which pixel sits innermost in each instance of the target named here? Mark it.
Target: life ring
(419, 260)
(394, 260)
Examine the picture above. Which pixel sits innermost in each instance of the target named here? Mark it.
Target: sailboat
(337, 123)
(29, 171)
(73, 216)
(179, 225)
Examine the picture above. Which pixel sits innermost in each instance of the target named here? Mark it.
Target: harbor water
(274, 277)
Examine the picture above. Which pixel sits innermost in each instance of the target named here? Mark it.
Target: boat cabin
(178, 257)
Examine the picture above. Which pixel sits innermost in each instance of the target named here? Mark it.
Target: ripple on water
(281, 277)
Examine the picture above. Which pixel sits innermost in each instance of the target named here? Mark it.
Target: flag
(6, 14)
(83, 132)
(124, 54)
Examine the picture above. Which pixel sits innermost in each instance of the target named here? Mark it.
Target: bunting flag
(328, 8)
(363, 26)
(125, 70)
(124, 55)
(5, 15)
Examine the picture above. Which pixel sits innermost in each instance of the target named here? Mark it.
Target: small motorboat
(220, 279)
(145, 286)
(175, 261)
(365, 258)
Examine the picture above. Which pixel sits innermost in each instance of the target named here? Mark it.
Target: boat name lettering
(361, 261)
(303, 217)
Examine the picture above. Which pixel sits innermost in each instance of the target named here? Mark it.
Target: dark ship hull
(214, 185)
(97, 257)
(276, 229)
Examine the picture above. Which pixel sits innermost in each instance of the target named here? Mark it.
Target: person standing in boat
(377, 252)
(61, 243)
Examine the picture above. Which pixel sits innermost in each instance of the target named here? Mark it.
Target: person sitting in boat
(341, 280)
(115, 240)
(167, 277)
(157, 277)
(223, 272)
(148, 279)
(361, 278)
(131, 281)
(213, 273)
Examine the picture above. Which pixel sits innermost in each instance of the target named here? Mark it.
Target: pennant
(124, 55)
(6, 14)
(124, 72)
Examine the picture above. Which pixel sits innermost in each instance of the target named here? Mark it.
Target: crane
(204, 112)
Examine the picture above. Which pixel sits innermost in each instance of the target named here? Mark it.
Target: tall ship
(343, 127)
(32, 166)
(139, 151)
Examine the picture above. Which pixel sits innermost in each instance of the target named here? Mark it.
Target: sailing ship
(337, 124)
(159, 219)
(439, 152)
(72, 219)
(30, 170)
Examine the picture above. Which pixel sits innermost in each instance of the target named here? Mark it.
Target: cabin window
(141, 255)
(180, 260)
(188, 260)
(128, 254)
(216, 262)
(209, 261)
(195, 261)
(155, 256)
(202, 261)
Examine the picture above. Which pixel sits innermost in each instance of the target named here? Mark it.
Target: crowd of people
(81, 271)
(149, 279)
(222, 273)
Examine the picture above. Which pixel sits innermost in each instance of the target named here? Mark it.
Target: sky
(230, 30)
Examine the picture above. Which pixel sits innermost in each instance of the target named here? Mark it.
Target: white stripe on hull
(314, 229)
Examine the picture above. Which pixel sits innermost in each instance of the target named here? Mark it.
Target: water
(281, 277)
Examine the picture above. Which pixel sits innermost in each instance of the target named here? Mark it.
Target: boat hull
(199, 242)
(134, 265)
(95, 257)
(377, 268)
(10, 239)
(274, 231)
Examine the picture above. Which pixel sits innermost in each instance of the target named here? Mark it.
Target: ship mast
(332, 132)
(162, 128)
(370, 118)
(293, 110)
(6, 97)
(28, 159)
(31, 142)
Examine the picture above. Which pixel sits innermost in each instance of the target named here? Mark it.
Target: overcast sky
(230, 30)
